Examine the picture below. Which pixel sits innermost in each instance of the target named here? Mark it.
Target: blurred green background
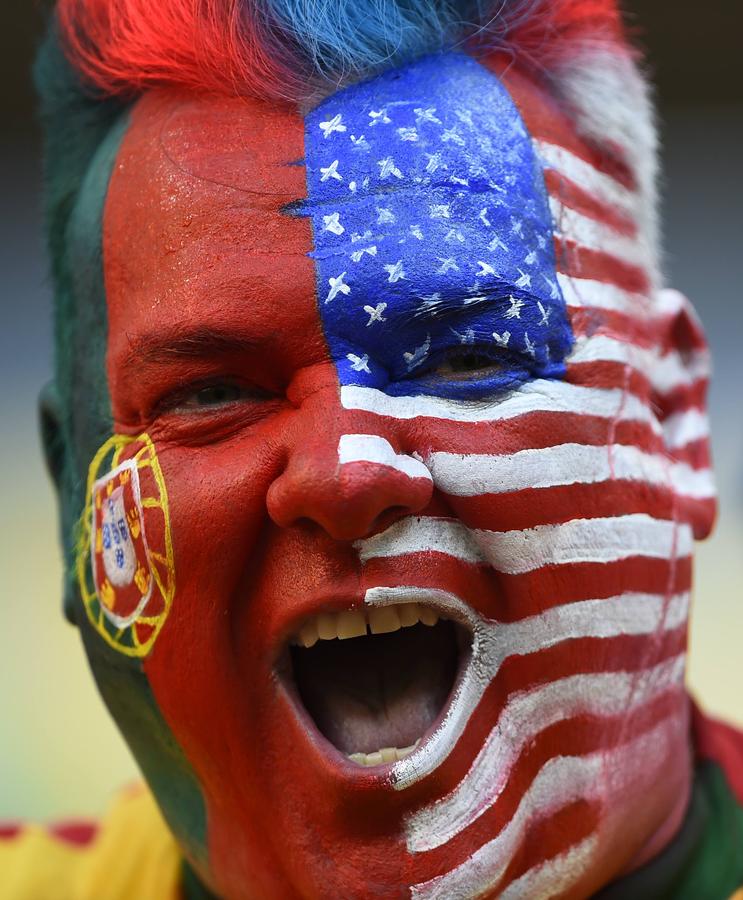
(59, 753)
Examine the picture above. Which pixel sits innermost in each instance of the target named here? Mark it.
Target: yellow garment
(132, 857)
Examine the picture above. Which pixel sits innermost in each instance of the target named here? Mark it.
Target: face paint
(125, 546)
(329, 463)
(433, 231)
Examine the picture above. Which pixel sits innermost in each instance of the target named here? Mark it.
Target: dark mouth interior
(381, 690)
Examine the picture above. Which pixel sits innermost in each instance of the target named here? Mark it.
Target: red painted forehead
(193, 228)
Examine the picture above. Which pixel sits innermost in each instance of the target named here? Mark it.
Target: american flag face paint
(345, 430)
(432, 231)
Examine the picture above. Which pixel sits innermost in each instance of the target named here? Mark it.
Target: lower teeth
(385, 755)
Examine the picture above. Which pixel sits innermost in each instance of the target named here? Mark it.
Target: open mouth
(375, 681)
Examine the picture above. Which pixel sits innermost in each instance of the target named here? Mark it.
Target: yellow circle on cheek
(125, 561)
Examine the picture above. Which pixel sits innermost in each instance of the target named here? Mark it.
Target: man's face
(358, 386)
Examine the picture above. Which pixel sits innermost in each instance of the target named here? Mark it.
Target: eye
(467, 363)
(210, 396)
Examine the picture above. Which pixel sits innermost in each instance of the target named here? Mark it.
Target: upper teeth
(354, 622)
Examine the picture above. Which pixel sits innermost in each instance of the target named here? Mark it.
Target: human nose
(350, 487)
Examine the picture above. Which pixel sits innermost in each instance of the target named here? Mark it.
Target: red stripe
(508, 598)
(532, 431)
(550, 837)
(651, 332)
(608, 375)
(568, 193)
(583, 262)
(531, 507)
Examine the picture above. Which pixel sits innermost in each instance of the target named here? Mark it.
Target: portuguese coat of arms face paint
(471, 431)
(125, 546)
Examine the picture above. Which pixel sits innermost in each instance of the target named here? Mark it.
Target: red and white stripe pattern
(563, 534)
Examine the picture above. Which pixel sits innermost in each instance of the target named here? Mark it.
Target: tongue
(380, 690)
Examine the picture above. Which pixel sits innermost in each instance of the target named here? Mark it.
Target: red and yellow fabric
(130, 856)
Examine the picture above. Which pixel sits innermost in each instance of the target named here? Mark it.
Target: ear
(59, 466)
(681, 383)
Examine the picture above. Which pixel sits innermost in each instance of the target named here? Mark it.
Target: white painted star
(542, 241)
(357, 238)
(352, 186)
(439, 211)
(375, 313)
(497, 244)
(415, 230)
(467, 337)
(485, 268)
(448, 264)
(465, 116)
(330, 171)
(387, 167)
(332, 223)
(546, 313)
(528, 346)
(359, 363)
(426, 115)
(407, 134)
(455, 179)
(337, 286)
(524, 281)
(554, 292)
(334, 124)
(454, 234)
(483, 217)
(416, 357)
(453, 136)
(502, 339)
(357, 254)
(530, 258)
(360, 143)
(434, 162)
(384, 215)
(514, 310)
(517, 228)
(395, 272)
(379, 117)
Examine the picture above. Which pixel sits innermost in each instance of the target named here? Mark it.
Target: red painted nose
(350, 487)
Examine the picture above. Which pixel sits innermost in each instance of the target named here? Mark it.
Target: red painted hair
(275, 48)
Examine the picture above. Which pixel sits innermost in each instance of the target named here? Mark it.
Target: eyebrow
(196, 343)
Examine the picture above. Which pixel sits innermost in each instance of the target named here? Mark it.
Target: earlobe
(681, 386)
(55, 455)
(50, 425)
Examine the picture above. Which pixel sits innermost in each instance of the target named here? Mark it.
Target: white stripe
(665, 372)
(683, 428)
(493, 642)
(586, 293)
(528, 713)
(375, 449)
(605, 188)
(600, 540)
(555, 876)
(474, 474)
(561, 781)
(586, 232)
(540, 395)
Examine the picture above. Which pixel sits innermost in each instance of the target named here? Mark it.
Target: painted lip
(435, 745)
